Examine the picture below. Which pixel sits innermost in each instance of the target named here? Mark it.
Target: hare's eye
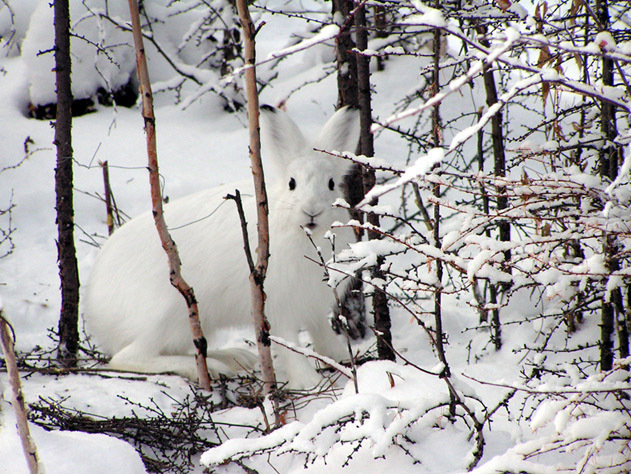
(292, 184)
(331, 184)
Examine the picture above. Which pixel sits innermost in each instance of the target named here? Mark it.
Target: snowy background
(202, 145)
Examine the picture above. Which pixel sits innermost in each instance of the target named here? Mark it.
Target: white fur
(139, 318)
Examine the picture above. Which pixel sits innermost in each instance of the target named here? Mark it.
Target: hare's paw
(234, 360)
(305, 379)
(298, 371)
(129, 360)
(327, 343)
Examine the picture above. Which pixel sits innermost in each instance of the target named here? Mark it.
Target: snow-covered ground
(200, 146)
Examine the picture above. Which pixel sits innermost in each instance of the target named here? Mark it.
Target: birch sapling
(258, 270)
(168, 243)
(28, 446)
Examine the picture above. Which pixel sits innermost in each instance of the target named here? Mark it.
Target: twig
(108, 198)
(340, 306)
(314, 355)
(236, 197)
(557, 390)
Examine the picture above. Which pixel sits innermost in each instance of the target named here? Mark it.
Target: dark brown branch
(66, 251)
(236, 197)
(108, 198)
(381, 310)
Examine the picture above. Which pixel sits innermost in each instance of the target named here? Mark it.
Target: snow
(111, 67)
(233, 447)
(389, 411)
(63, 452)
(545, 412)
(422, 166)
(605, 41)
(327, 33)
(428, 17)
(200, 145)
(14, 22)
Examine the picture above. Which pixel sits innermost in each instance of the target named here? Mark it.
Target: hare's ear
(281, 138)
(341, 132)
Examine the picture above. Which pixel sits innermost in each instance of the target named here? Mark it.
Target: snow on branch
(506, 41)
(590, 421)
(422, 166)
(518, 88)
(327, 33)
(456, 84)
(369, 420)
(312, 355)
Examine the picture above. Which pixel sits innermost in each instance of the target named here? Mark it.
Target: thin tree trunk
(156, 199)
(17, 398)
(626, 320)
(381, 24)
(486, 209)
(353, 304)
(67, 258)
(621, 323)
(499, 155)
(608, 128)
(259, 271)
(607, 318)
(608, 169)
(366, 147)
(346, 60)
(437, 139)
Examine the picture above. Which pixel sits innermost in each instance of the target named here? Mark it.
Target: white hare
(139, 318)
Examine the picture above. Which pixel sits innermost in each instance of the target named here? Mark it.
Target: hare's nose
(312, 214)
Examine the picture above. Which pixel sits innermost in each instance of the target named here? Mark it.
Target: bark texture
(381, 310)
(258, 270)
(499, 161)
(156, 200)
(353, 305)
(66, 251)
(17, 398)
(608, 158)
